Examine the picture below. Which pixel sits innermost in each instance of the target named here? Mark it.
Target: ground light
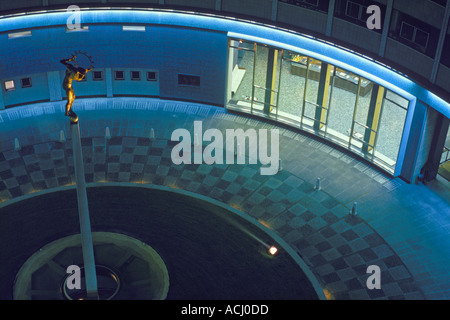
(273, 250)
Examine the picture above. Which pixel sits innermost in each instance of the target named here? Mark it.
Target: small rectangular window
(119, 75)
(25, 82)
(414, 34)
(407, 31)
(133, 28)
(151, 76)
(421, 38)
(135, 75)
(97, 75)
(189, 80)
(9, 85)
(19, 34)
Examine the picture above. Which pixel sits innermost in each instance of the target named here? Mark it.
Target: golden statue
(72, 73)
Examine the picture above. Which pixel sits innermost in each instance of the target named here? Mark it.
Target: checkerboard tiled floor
(336, 246)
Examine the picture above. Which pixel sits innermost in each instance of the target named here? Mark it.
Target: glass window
(407, 31)
(135, 75)
(119, 75)
(311, 92)
(292, 86)
(446, 151)
(355, 11)
(261, 61)
(321, 98)
(360, 130)
(9, 85)
(318, 5)
(342, 104)
(391, 125)
(25, 82)
(97, 75)
(151, 76)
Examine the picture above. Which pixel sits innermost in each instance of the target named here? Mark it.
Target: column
(386, 26)
(109, 83)
(269, 99)
(322, 95)
(330, 18)
(274, 10)
(437, 57)
(83, 213)
(373, 117)
(54, 86)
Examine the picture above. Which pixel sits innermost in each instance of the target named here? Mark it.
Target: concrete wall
(37, 92)
(169, 50)
(404, 56)
(426, 140)
(357, 36)
(424, 10)
(206, 4)
(301, 17)
(351, 33)
(257, 8)
(443, 77)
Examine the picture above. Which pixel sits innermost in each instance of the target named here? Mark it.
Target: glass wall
(318, 97)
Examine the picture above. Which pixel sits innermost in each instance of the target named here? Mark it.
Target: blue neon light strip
(247, 30)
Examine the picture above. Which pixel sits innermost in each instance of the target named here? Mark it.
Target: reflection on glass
(446, 151)
(311, 91)
(361, 113)
(261, 58)
(322, 98)
(342, 104)
(266, 81)
(390, 132)
(292, 86)
(240, 69)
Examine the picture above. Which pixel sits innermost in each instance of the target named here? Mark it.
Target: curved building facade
(355, 101)
(368, 109)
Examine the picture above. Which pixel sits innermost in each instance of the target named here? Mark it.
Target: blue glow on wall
(54, 44)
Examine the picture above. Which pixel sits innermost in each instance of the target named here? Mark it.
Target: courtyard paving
(403, 228)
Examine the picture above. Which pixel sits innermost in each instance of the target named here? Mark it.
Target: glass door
(342, 105)
(318, 90)
(266, 80)
(292, 87)
(241, 67)
(367, 117)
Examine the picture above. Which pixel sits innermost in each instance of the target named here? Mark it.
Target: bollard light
(17, 146)
(354, 211)
(317, 187)
(152, 134)
(62, 136)
(107, 133)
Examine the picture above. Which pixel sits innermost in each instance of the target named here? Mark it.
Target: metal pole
(83, 213)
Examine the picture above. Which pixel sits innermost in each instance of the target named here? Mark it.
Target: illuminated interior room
(362, 174)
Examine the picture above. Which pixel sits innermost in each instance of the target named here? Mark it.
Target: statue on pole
(73, 72)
